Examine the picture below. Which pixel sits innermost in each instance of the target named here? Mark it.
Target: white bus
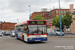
(32, 30)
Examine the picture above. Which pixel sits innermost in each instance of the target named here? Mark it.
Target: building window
(52, 12)
(41, 14)
(48, 14)
(64, 11)
(45, 14)
(56, 11)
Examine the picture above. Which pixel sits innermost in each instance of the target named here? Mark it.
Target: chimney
(71, 8)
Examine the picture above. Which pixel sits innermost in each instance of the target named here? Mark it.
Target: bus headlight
(30, 38)
(44, 38)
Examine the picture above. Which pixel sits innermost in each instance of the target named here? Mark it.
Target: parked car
(12, 33)
(6, 33)
(0, 34)
(57, 32)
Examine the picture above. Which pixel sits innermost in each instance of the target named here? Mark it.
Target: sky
(11, 10)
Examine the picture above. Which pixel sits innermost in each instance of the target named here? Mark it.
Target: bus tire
(23, 37)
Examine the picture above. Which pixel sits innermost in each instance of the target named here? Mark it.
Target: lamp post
(60, 20)
(73, 1)
(18, 20)
(30, 11)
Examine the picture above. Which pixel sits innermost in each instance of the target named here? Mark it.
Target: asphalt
(11, 43)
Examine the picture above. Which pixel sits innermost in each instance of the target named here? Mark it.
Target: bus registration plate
(37, 40)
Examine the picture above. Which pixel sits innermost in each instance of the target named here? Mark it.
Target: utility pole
(30, 11)
(60, 20)
(18, 21)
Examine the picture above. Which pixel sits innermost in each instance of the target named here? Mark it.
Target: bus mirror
(48, 26)
(25, 27)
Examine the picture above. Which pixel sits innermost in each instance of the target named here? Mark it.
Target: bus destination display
(36, 22)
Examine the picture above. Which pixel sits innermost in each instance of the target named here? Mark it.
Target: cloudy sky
(11, 10)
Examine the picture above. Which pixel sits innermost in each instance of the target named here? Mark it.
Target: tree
(38, 17)
(56, 21)
(67, 19)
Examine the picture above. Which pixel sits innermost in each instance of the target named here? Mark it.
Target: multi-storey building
(49, 15)
(7, 25)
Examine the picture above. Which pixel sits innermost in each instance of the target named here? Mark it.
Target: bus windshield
(37, 29)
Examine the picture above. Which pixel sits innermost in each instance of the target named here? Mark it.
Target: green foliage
(38, 17)
(56, 21)
(66, 20)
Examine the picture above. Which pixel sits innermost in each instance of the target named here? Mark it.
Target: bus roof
(25, 22)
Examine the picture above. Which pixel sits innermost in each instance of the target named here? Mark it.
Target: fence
(63, 35)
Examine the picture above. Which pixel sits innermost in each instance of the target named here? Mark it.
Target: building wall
(71, 8)
(7, 26)
(72, 27)
(50, 14)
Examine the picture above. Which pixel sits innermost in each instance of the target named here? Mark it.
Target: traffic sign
(50, 24)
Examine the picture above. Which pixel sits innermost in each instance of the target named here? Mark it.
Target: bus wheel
(23, 37)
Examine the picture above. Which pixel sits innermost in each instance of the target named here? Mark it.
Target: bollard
(65, 34)
(55, 34)
(50, 34)
(71, 34)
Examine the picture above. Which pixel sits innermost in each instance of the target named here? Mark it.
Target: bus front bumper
(36, 39)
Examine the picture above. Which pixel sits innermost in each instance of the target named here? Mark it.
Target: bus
(32, 30)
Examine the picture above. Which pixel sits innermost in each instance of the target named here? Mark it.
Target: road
(11, 43)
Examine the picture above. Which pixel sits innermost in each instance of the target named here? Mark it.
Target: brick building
(51, 14)
(7, 26)
(72, 11)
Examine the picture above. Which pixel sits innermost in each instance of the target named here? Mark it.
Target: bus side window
(25, 29)
(19, 29)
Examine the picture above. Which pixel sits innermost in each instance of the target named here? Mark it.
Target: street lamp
(30, 11)
(60, 20)
(18, 20)
(73, 1)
